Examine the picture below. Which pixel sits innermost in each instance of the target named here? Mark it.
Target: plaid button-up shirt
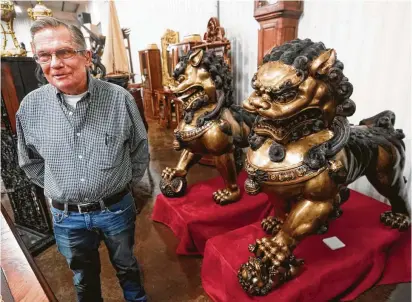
(85, 154)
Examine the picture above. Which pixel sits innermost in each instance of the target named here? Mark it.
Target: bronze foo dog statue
(211, 124)
(303, 149)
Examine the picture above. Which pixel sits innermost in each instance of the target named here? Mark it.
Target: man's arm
(139, 149)
(29, 159)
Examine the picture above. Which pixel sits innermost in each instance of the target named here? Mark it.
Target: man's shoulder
(35, 98)
(110, 87)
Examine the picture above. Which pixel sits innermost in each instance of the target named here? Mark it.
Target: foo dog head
(202, 79)
(299, 90)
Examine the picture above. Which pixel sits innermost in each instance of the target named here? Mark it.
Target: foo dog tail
(386, 122)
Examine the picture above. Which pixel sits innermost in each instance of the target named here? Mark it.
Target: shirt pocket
(109, 150)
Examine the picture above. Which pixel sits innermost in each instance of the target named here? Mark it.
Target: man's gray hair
(50, 22)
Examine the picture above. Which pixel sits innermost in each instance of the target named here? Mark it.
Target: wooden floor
(167, 277)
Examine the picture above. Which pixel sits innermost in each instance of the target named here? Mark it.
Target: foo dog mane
(221, 76)
(300, 54)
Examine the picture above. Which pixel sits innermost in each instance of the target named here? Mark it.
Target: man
(83, 141)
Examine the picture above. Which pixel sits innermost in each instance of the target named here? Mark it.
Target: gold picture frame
(169, 37)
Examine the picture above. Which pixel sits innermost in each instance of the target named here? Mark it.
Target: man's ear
(33, 49)
(88, 56)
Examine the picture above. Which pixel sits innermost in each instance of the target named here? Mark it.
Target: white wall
(242, 30)
(148, 20)
(373, 40)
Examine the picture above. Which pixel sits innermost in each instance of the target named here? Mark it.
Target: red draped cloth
(195, 217)
(374, 254)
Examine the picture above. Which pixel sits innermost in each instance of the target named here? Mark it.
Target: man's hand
(138, 200)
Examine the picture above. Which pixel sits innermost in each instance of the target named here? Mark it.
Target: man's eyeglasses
(63, 54)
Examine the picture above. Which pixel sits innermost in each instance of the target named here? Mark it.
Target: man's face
(67, 75)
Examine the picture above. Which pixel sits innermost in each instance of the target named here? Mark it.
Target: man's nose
(55, 61)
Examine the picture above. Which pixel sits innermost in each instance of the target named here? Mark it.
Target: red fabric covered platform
(195, 217)
(374, 254)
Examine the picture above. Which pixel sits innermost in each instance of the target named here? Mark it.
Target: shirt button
(82, 180)
(80, 156)
(78, 133)
(70, 113)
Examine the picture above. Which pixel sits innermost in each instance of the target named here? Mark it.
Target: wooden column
(278, 23)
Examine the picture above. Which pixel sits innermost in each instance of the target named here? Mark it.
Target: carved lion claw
(226, 196)
(274, 264)
(396, 220)
(173, 182)
(271, 225)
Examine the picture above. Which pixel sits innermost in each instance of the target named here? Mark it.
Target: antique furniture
(7, 16)
(214, 39)
(278, 23)
(150, 68)
(136, 91)
(21, 279)
(27, 200)
(169, 109)
(303, 149)
(212, 124)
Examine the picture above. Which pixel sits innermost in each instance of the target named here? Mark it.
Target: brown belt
(92, 206)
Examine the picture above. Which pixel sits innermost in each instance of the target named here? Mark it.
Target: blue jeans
(78, 238)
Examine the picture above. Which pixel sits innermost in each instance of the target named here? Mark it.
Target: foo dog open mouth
(190, 95)
(292, 128)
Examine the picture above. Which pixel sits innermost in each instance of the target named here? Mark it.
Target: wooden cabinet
(136, 91)
(151, 71)
(278, 23)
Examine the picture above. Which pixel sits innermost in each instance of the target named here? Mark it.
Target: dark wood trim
(9, 94)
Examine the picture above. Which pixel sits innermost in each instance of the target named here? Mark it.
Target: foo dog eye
(286, 97)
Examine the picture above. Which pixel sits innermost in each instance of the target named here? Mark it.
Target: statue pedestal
(374, 254)
(195, 217)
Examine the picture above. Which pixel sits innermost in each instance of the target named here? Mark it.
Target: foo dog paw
(274, 265)
(226, 196)
(173, 182)
(398, 221)
(254, 277)
(271, 225)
